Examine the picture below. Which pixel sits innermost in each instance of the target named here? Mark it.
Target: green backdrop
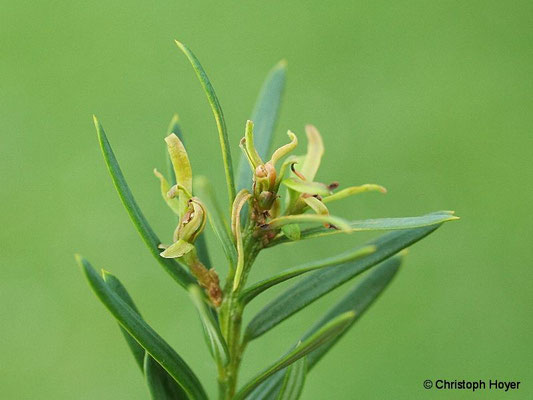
(431, 99)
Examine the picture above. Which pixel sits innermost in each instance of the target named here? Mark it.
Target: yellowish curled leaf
(177, 249)
(182, 168)
(315, 150)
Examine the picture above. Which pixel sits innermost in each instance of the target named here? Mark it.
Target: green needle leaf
(217, 344)
(204, 191)
(321, 282)
(144, 334)
(326, 333)
(161, 384)
(174, 269)
(116, 286)
(258, 288)
(292, 231)
(219, 117)
(358, 300)
(264, 116)
(379, 224)
(294, 381)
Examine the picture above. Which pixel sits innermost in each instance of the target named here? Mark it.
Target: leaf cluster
(166, 373)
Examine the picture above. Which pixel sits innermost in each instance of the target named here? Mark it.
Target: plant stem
(230, 315)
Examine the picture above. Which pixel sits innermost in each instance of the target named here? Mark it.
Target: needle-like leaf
(326, 333)
(162, 386)
(174, 269)
(357, 300)
(219, 117)
(116, 286)
(321, 282)
(217, 344)
(294, 381)
(165, 355)
(292, 231)
(379, 224)
(350, 255)
(264, 115)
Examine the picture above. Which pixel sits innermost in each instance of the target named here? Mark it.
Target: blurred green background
(430, 99)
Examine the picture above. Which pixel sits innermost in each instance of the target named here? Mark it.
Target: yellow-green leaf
(341, 194)
(337, 222)
(182, 169)
(285, 149)
(316, 205)
(173, 203)
(177, 249)
(240, 200)
(313, 188)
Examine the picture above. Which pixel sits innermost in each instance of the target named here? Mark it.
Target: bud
(193, 221)
(266, 179)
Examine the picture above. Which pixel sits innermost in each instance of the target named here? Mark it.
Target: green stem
(230, 315)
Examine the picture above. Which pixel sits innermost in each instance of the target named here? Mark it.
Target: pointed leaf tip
(325, 334)
(149, 237)
(283, 63)
(321, 282)
(218, 115)
(264, 115)
(150, 340)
